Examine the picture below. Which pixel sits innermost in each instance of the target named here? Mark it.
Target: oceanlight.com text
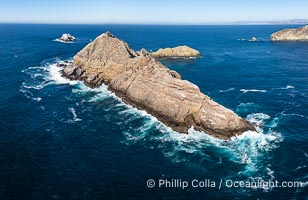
(208, 183)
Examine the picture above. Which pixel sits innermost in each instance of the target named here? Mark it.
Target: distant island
(291, 34)
(290, 21)
(66, 37)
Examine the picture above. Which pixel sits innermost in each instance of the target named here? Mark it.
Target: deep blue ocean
(62, 140)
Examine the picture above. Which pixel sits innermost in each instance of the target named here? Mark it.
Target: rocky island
(291, 34)
(141, 81)
(175, 52)
(66, 37)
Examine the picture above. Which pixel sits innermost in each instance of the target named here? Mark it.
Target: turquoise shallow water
(62, 140)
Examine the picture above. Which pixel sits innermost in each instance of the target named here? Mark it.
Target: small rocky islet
(175, 52)
(66, 37)
(143, 82)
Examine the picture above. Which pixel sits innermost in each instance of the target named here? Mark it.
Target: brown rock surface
(145, 83)
(180, 51)
(291, 34)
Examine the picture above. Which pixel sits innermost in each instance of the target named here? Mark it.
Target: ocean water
(62, 140)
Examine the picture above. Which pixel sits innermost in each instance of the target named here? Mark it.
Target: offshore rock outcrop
(176, 52)
(142, 81)
(66, 37)
(253, 39)
(291, 34)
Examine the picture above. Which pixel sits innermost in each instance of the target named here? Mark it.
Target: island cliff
(291, 34)
(140, 80)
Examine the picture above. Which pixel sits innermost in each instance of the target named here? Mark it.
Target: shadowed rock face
(145, 83)
(291, 34)
(176, 52)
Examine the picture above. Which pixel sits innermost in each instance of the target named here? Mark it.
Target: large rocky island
(291, 34)
(140, 80)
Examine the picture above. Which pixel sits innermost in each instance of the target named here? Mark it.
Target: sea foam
(58, 40)
(252, 90)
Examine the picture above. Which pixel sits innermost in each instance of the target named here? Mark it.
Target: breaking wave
(75, 117)
(227, 90)
(287, 87)
(30, 95)
(252, 90)
(58, 40)
(247, 149)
